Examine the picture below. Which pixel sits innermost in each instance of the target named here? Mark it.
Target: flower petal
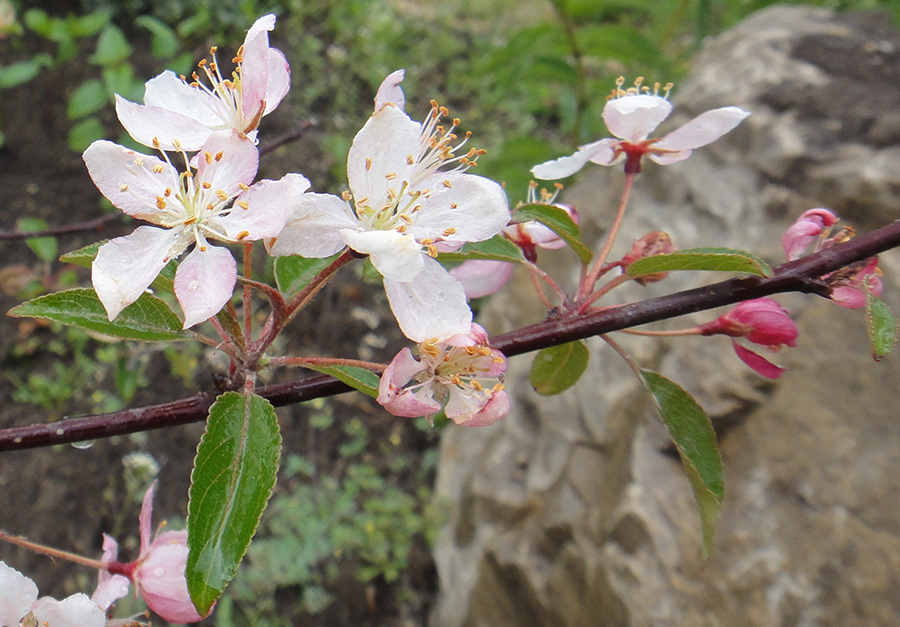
(431, 305)
(126, 266)
(228, 161)
(279, 80)
(161, 581)
(475, 208)
(482, 277)
(404, 402)
(75, 611)
(389, 93)
(380, 154)
(147, 122)
(204, 282)
(758, 363)
(395, 255)
(268, 204)
(17, 594)
(255, 66)
(109, 587)
(476, 408)
(146, 518)
(601, 152)
(314, 228)
(633, 118)
(703, 129)
(168, 91)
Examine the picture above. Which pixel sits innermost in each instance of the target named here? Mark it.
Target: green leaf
(19, 73)
(881, 325)
(87, 98)
(558, 221)
(558, 368)
(165, 42)
(87, 25)
(234, 473)
(119, 79)
(498, 248)
(293, 273)
(360, 379)
(148, 318)
(714, 259)
(84, 256)
(112, 47)
(44, 247)
(693, 435)
(83, 133)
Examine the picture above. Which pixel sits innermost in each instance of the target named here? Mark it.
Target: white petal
(279, 80)
(378, 158)
(228, 160)
(670, 157)
(17, 594)
(168, 91)
(395, 255)
(126, 266)
(131, 181)
(75, 611)
(599, 151)
(145, 123)
(389, 93)
(473, 206)
(431, 305)
(269, 204)
(633, 118)
(255, 65)
(703, 129)
(314, 228)
(204, 283)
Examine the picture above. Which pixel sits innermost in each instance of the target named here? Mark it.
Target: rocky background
(575, 511)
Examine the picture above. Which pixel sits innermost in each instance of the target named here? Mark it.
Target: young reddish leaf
(881, 325)
(558, 368)
(558, 221)
(360, 379)
(148, 318)
(693, 435)
(498, 248)
(233, 477)
(710, 259)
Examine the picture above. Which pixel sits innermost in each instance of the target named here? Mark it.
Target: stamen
(243, 234)
(243, 204)
(159, 168)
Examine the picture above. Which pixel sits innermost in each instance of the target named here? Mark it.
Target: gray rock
(574, 510)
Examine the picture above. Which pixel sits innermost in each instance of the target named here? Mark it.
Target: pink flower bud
(850, 285)
(797, 239)
(482, 277)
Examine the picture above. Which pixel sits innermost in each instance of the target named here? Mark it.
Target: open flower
(462, 374)
(404, 210)
(191, 112)
(760, 321)
(191, 206)
(20, 605)
(158, 572)
(631, 115)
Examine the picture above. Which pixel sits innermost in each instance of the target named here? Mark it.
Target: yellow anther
(190, 220)
(139, 162)
(221, 195)
(476, 385)
(219, 155)
(123, 187)
(449, 231)
(243, 204)
(558, 185)
(207, 156)
(156, 143)
(390, 176)
(430, 347)
(210, 207)
(456, 121)
(368, 164)
(242, 235)
(168, 192)
(159, 168)
(206, 184)
(498, 360)
(410, 160)
(346, 195)
(497, 388)
(160, 202)
(213, 49)
(237, 60)
(447, 183)
(243, 186)
(444, 111)
(405, 218)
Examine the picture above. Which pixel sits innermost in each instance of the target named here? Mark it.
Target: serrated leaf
(148, 318)
(558, 221)
(360, 379)
(112, 47)
(83, 256)
(293, 273)
(708, 259)
(693, 435)
(558, 368)
(498, 248)
(87, 98)
(881, 325)
(234, 473)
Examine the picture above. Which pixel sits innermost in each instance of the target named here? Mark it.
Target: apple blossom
(191, 206)
(631, 115)
(158, 572)
(181, 115)
(20, 605)
(405, 209)
(760, 321)
(809, 226)
(462, 374)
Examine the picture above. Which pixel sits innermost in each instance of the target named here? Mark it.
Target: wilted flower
(653, 243)
(192, 206)
(631, 115)
(405, 209)
(462, 374)
(761, 321)
(812, 224)
(181, 115)
(19, 605)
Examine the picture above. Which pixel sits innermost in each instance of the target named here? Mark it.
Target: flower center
(226, 100)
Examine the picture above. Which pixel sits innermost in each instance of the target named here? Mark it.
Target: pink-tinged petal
(131, 181)
(397, 400)
(668, 158)
(758, 363)
(264, 209)
(849, 297)
(161, 581)
(255, 66)
(314, 228)
(146, 122)
(601, 152)
(145, 519)
(17, 594)
(226, 161)
(703, 129)
(768, 323)
(378, 156)
(169, 91)
(390, 93)
(473, 206)
(431, 305)
(279, 80)
(482, 277)
(633, 118)
(109, 587)
(75, 611)
(204, 283)
(126, 266)
(807, 228)
(395, 255)
(496, 408)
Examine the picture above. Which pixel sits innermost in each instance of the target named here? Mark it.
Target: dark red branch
(796, 276)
